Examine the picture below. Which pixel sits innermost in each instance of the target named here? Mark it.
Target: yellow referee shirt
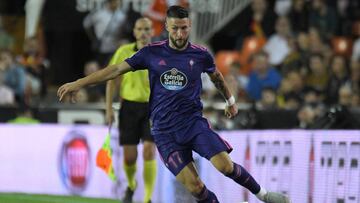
(134, 85)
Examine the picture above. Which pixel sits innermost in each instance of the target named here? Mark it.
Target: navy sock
(206, 196)
(242, 177)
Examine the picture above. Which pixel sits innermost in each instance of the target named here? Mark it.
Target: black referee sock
(242, 177)
(206, 196)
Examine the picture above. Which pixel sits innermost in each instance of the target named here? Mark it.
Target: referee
(134, 113)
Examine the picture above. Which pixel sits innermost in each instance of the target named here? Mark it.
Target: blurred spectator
(262, 19)
(299, 16)
(6, 40)
(126, 32)
(355, 75)
(157, 14)
(345, 96)
(292, 101)
(258, 20)
(296, 82)
(232, 80)
(225, 59)
(303, 43)
(284, 89)
(268, 99)
(355, 82)
(35, 66)
(292, 85)
(242, 80)
(355, 101)
(282, 7)
(293, 61)
(103, 27)
(338, 77)
(316, 42)
(302, 58)
(277, 45)
(312, 96)
(317, 76)
(343, 16)
(93, 93)
(250, 46)
(208, 89)
(348, 11)
(7, 96)
(262, 75)
(306, 116)
(24, 116)
(14, 75)
(356, 49)
(323, 18)
(82, 97)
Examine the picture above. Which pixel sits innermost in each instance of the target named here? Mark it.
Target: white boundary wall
(309, 166)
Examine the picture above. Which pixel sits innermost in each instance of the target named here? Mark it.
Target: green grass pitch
(35, 198)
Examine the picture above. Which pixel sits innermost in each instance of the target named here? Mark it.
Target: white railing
(209, 16)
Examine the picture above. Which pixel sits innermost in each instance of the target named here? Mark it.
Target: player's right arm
(108, 73)
(217, 78)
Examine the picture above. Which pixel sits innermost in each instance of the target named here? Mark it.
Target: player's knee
(194, 186)
(226, 168)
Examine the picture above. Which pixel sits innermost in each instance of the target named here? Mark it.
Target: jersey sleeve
(139, 60)
(209, 66)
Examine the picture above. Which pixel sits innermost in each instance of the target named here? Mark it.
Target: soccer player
(178, 128)
(134, 113)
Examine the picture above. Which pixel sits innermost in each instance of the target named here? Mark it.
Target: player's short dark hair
(177, 12)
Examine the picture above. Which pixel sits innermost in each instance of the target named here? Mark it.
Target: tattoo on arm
(219, 82)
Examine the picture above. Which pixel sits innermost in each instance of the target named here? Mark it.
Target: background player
(178, 128)
(134, 113)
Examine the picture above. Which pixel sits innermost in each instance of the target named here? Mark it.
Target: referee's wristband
(230, 101)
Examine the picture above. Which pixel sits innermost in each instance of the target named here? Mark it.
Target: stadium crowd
(295, 55)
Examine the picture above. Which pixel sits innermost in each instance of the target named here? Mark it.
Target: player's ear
(152, 32)
(133, 33)
(166, 24)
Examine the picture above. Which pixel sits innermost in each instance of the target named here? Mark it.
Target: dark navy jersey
(175, 83)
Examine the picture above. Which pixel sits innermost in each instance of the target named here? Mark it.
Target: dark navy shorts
(176, 148)
(134, 124)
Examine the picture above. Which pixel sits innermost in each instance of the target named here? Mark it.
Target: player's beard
(177, 45)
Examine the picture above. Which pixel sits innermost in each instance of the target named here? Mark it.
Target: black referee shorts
(134, 123)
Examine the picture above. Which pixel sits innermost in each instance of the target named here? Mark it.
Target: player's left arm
(217, 78)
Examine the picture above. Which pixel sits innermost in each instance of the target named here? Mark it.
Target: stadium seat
(224, 59)
(251, 45)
